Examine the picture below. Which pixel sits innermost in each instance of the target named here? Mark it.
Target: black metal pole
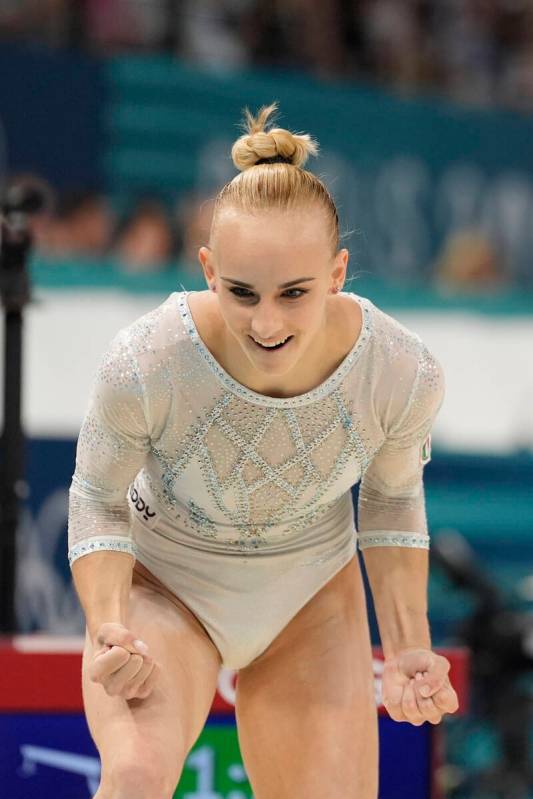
(14, 293)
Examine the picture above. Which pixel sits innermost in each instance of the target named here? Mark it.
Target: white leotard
(238, 502)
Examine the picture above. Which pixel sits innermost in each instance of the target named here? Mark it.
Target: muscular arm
(102, 581)
(112, 447)
(393, 533)
(398, 578)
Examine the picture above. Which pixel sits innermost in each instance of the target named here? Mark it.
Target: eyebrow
(281, 286)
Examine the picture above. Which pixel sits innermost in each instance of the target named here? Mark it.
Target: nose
(266, 323)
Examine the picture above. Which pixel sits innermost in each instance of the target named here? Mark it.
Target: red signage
(43, 673)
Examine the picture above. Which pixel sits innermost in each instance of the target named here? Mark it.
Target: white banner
(488, 362)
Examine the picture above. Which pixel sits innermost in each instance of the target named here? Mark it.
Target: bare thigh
(143, 742)
(305, 708)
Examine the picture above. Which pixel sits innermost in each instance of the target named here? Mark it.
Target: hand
(121, 663)
(416, 688)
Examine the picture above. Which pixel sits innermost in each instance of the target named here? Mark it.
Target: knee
(139, 777)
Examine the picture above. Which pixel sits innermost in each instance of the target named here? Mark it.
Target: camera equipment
(22, 200)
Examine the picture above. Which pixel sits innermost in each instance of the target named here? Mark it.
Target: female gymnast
(211, 520)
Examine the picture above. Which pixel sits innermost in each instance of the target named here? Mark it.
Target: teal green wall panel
(406, 173)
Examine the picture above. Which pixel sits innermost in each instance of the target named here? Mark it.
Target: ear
(205, 256)
(340, 266)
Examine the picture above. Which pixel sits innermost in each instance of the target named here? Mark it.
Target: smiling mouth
(273, 347)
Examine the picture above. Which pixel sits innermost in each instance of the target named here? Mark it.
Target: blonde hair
(280, 182)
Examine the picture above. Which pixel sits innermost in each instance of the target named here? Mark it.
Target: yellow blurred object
(469, 261)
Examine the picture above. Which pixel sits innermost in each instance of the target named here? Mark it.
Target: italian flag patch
(425, 451)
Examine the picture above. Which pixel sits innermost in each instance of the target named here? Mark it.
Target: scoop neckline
(320, 391)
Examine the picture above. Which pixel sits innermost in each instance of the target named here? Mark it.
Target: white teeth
(274, 344)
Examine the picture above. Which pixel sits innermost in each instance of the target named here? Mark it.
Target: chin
(273, 368)
(273, 371)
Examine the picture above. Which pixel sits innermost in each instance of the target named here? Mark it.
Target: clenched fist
(416, 687)
(121, 663)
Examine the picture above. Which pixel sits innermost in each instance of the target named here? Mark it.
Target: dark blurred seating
(477, 52)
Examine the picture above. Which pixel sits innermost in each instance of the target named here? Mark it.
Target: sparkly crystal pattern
(102, 544)
(221, 468)
(385, 539)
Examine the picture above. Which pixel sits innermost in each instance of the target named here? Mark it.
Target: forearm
(398, 578)
(103, 581)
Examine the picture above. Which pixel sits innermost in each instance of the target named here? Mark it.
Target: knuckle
(147, 668)
(141, 688)
(141, 693)
(135, 664)
(144, 676)
(145, 689)
(137, 693)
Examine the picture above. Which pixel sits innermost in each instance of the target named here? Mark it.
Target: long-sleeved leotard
(238, 502)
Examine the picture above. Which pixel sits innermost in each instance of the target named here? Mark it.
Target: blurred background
(123, 112)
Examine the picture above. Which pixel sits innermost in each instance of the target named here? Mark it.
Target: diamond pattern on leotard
(264, 467)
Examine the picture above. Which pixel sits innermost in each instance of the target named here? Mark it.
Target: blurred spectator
(145, 242)
(308, 34)
(474, 51)
(469, 262)
(319, 27)
(467, 48)
(43, 20)
(399, 51)
(210, 32)
(126, 24)
(194, 215)
(82, 226)
(516, 80)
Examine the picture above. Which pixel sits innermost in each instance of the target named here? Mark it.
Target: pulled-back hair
(271, 175)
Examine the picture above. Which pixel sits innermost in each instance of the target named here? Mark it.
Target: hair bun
(275, 145)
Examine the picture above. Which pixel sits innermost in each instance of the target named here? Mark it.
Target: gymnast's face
(273, 272)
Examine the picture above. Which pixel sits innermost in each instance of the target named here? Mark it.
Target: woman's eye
(245, 294)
